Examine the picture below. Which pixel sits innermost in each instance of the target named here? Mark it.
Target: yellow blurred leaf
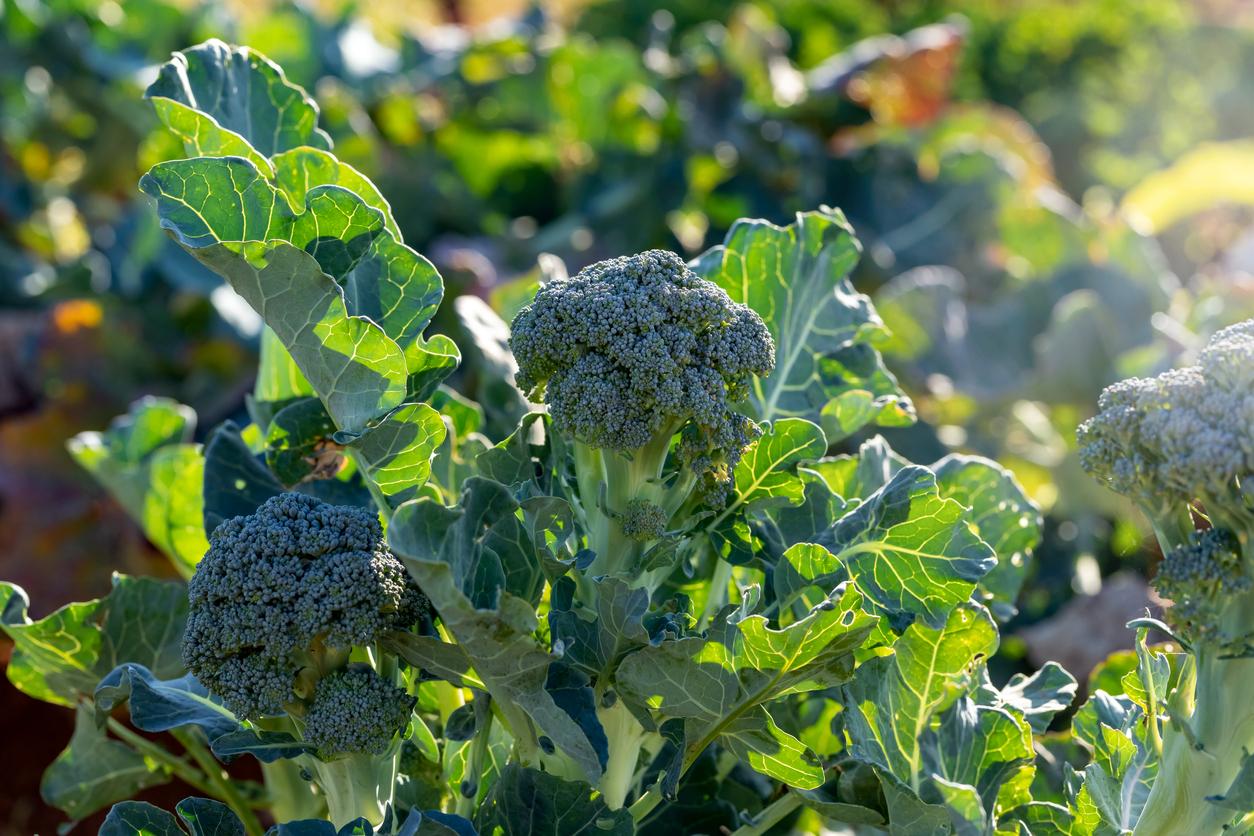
(1209, 175)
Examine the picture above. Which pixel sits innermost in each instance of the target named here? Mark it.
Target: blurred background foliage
(1051, 194)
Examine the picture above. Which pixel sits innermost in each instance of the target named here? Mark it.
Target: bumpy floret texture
(356, 711)
(639, 345)
(1184, 435)
(642, 520)
(1201, 578)
(295, 573)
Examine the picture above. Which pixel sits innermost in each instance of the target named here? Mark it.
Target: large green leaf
(595, 640)
(195, 817)
(236, 481)
(301, 169)
(60, 658)
(202, 136)
(1125, 763)
(1047, 817)
(345, 298)
(286, 265)
(1037, 698)
(139, 818)
(911, 550)
(891, 701)
(484, 340)
(796, 278)
(807, 654)
(766, 473)
(482, 541)
(207, 817)
(158, 705)
(242, 92)
(94, 770)
(145, 462)
(279, 379)
(298, 443)
(753, 737)
(765, 477)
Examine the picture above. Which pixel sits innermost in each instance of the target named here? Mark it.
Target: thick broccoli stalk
(628, 355)
(1181, 445)
(281, 604)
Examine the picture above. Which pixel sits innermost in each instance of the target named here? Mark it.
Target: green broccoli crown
(1184, 435)
(356, 711)
(635, 346)
(294, 575)
(643, 520)
(1201, 578)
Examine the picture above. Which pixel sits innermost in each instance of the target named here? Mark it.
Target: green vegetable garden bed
(661, 601)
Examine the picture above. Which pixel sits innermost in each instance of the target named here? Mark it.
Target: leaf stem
(177, 766)
(465, 804)
(771, 815)
(221, 781)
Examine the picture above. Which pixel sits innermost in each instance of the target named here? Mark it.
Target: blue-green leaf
(158, 705)
(139, 818)
(474, 562)
(206, 817)
(1004, 518)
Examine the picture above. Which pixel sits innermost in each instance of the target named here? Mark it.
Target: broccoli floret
(293, 586)
(637, 347)
(355, 710)
(1183, 436)
(1201, 578)
(642, 520)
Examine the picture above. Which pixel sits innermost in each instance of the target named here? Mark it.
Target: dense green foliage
(641, 548)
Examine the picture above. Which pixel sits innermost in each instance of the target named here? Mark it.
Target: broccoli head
(356, 711)
(636, 348)
(1182, 436)
(288, 589)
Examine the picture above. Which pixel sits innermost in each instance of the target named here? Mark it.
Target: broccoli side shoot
(629, 353)
(642, 520)
(356, 711)
(284, 594)
(1201, 579)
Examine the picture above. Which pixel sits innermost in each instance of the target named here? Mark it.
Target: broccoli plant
(1181, 446)
(691, 591)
